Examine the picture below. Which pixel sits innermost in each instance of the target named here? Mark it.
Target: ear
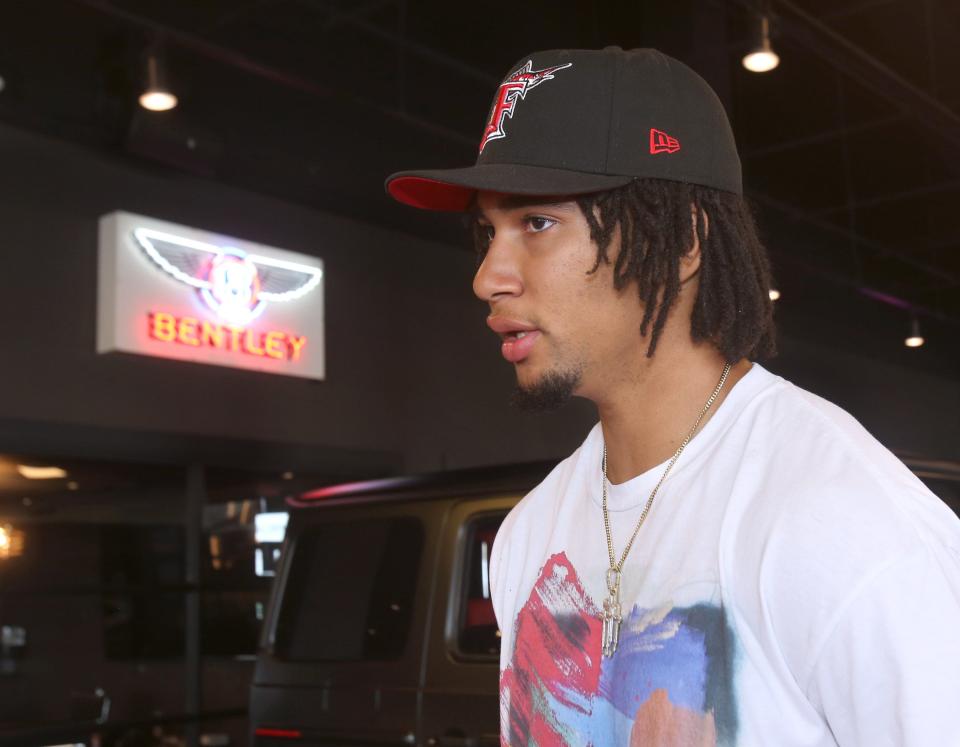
(690, 262)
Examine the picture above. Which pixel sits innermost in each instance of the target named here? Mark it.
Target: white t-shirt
(794, 585)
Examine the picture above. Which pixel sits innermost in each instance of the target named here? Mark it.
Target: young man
(727, 559)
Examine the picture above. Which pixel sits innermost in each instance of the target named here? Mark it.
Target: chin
(544, 391)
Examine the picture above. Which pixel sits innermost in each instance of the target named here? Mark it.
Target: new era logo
(661, 142)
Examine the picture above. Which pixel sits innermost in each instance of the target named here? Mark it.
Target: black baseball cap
(573, 121)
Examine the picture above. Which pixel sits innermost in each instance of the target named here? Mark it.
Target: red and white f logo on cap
(514, 88)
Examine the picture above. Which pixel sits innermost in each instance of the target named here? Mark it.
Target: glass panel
(231, 621)
(138, 621)
(235, 588)
(350, 591)
(479, 633)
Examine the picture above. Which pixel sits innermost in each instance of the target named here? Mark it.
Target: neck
(646, 416)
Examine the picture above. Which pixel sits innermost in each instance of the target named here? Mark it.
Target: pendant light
(762, 59)
(915, 339)
(157, 96)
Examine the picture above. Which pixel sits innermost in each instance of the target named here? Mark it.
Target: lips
(518, 337)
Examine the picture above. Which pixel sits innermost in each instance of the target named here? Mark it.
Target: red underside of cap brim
(453, 190)
(430, 194)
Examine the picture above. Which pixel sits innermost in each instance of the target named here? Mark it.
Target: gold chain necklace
(611, 605)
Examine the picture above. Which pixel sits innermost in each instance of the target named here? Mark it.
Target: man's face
(565, 331)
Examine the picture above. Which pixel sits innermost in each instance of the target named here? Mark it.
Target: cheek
(613, 316)
(572, 295)
(583, 308)
(572, 300)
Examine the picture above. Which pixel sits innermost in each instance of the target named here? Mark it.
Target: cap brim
(453, 190)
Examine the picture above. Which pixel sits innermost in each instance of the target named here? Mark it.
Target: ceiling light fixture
(157, 96)
(41, 473)
(762, 59)
(915, 339)
(774, 294)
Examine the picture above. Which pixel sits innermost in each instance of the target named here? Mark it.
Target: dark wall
(411, 368)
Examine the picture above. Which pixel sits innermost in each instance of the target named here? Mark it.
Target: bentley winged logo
(236, 285)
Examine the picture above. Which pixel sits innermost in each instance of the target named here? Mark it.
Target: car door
(343, 656)
(460, 693)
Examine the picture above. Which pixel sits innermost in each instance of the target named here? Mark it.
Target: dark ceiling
(851, 148)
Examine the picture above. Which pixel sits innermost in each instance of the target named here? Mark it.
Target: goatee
(548, 394)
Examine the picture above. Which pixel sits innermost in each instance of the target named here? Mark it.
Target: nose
(499, 274)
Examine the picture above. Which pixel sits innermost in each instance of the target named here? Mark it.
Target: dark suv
(380, 629)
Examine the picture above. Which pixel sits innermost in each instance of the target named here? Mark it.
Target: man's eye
(486, 230)
(538, 223)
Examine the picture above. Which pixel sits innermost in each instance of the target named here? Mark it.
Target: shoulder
(819, 508)
(816, 467)
(529, 513)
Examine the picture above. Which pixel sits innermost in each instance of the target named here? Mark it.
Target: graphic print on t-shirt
(669, 684)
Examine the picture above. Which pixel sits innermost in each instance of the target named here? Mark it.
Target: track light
(762, 59)
(915, 339)
(774, 294)
(157, 96)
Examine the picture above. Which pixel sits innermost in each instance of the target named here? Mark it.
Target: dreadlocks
(733, 308)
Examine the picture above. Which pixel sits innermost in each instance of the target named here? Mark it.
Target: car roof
(521, 477)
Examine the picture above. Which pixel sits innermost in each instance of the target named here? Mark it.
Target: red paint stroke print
(670, 683)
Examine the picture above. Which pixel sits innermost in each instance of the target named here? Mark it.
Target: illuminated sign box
(177, 292)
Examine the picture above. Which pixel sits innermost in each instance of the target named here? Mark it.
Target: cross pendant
(611, 614)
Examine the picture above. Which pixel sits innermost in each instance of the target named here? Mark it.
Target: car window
(478, 631)
(350, 591)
